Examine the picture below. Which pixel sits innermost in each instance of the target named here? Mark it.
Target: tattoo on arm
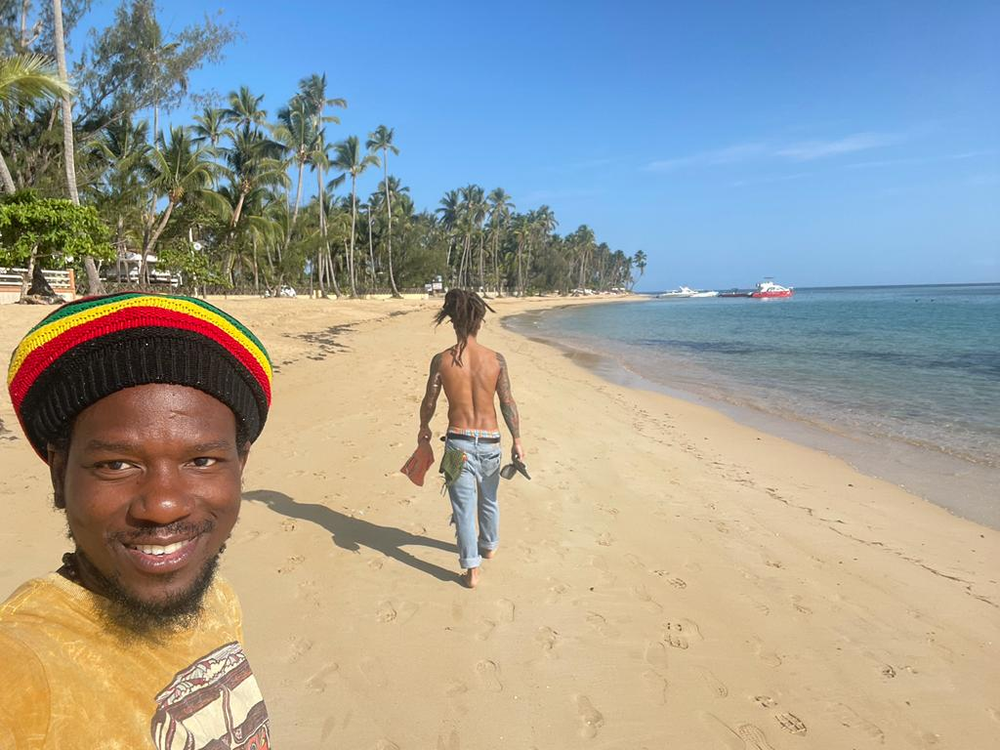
(508, 407)
(429, 403)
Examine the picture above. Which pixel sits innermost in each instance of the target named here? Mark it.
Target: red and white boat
(768, 289)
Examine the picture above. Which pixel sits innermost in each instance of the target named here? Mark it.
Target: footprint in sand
(385, 744)
(677, 583)
(851, 719)
(714, 684)
(754, 738)
(297, 647)
(456, 687)
(488, 673)
(658, 684)
(600, 624)
(765, 701)
(451, 743)
(605, 539)
(386, 612)
(317, 683)
(592, 719)
(799, 606)
(656, 655)
(766, 655)
(288, 525)
(506, 607)
(680, 633)
(373, 672)
(888, 671)
(291, 564)
(547, 638)
(328, 726)
(488, 626)
(791, 723)
(556, 591)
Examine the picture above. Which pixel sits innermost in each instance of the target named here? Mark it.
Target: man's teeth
(153, 549)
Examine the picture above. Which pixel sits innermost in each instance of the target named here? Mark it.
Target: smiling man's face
(151, 487)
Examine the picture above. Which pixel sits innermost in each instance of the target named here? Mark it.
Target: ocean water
(915, 370)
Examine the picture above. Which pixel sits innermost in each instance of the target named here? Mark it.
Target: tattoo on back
(508, 408)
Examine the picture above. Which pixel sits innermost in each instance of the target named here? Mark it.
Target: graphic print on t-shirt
(214, 704)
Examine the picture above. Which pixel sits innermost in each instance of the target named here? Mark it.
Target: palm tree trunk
(320, 260)
(496, 260)
(371, 247)
(256, 276)
(350, 254)
(388, 216)
(298, 195)
(147, 248)
(482, 274)
(93, 280)
(8, 181)
(331, 267)
(67, 103)
(237, 212)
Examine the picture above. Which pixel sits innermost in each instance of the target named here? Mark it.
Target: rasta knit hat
(96, 346)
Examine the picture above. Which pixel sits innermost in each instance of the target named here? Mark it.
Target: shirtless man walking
(472, 376)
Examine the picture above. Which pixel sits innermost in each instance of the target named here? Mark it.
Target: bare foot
(471, 578)
(488, 554)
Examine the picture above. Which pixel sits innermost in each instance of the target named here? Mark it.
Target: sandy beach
(668, 579)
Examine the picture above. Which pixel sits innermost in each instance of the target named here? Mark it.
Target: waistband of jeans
(478, 436)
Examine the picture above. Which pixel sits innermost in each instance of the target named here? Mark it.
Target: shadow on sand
(353, 533)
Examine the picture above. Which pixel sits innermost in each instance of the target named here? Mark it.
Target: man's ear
(57, 472)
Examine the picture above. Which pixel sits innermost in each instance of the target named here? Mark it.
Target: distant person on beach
(144, 407)
(472, 377)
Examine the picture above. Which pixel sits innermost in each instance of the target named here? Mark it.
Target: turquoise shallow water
(915, 365)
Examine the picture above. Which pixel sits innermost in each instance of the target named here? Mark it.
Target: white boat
(682, 293)
(698, 295)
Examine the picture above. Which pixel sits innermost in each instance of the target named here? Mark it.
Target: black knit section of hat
(138, 356)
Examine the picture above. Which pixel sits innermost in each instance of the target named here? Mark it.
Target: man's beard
(134, 618)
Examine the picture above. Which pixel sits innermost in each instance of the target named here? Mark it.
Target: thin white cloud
(798, 151)
(919, 159)
(727, 155)
(809, 150)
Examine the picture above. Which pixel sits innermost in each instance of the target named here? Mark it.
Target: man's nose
(162, 497)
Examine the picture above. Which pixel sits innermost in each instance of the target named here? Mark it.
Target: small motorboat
(682, 293)
(768, 289)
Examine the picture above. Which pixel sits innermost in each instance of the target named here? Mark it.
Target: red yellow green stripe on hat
(86, 320)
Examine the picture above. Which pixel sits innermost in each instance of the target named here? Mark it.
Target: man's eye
(204, 462)
(114, 465)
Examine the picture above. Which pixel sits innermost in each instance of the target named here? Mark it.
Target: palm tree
(244, 110)
(313, 90)
(350, 162)
(252, 162)
(296, 131)
(381, 140)
(500, 205)
(639, 259)
(177, 170)
(25, 79)
(473, 208)
(210, 126)
(121, 156)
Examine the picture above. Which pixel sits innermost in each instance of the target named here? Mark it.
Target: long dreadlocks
(466, 311)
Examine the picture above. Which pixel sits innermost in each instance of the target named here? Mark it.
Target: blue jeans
(474, 497)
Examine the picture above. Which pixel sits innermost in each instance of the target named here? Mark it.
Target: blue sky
(819, 143)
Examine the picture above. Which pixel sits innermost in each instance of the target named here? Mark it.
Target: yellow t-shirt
(67, 682)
